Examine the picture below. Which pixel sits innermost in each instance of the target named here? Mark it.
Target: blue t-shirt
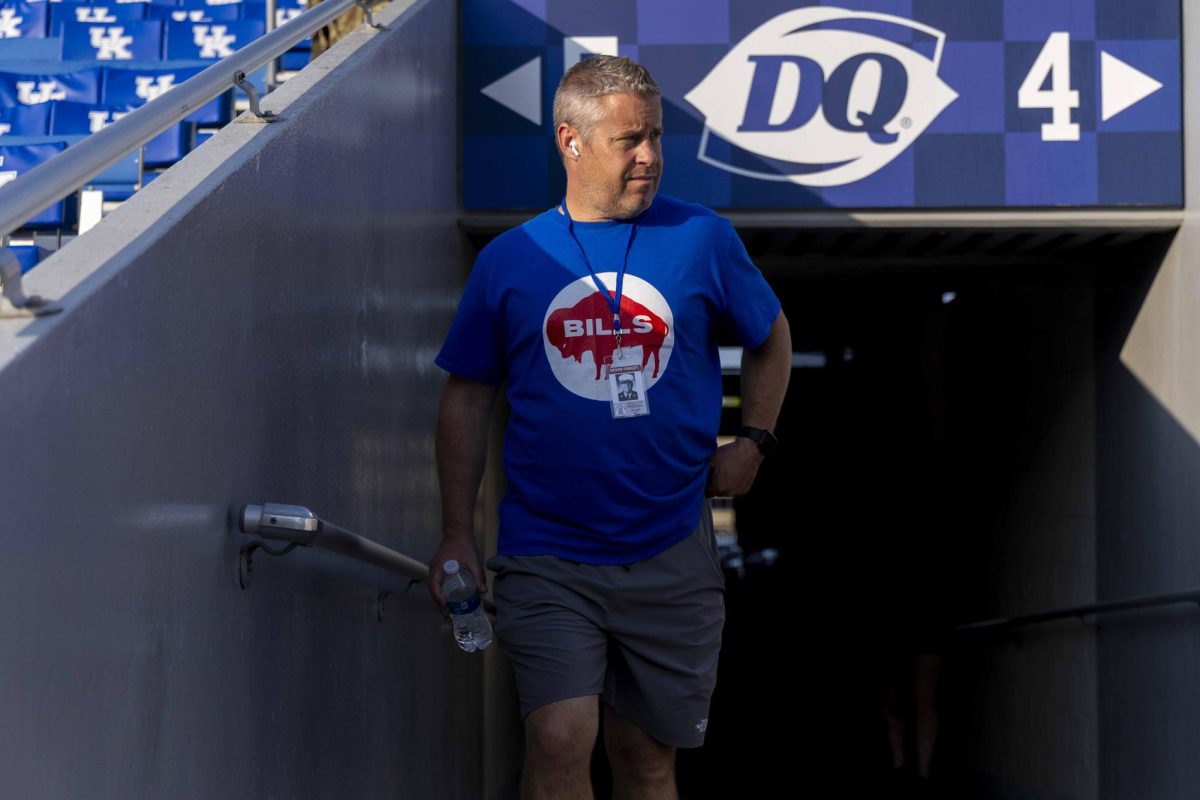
(582, 485)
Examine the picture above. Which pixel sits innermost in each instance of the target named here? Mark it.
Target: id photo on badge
(628, 391)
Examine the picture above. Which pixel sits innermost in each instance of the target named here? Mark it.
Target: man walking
(609, 589)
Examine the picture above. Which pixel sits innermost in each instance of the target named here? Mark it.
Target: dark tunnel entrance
(937, 466)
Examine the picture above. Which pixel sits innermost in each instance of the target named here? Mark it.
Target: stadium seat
(127, 87)
(82, 86)
(102, 14)
(23, 20)
(121, 180)
(227, 13)
(210, 41)
(128, 41)
(28, 254)
(16, 50)
(25, 120)
(74, 119)
(192, 5)
(18, 159)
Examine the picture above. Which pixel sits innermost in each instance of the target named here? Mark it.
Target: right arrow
(1121, 86)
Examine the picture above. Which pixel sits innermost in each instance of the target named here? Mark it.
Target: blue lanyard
(614, 303)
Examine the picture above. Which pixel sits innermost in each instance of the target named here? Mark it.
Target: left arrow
(520, 91)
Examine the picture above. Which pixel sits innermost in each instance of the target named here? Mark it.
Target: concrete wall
(258, 325)
(1149, 452)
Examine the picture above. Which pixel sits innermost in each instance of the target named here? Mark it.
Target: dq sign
(808, 82)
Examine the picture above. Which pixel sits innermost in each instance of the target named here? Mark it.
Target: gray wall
(1149, 507)
(257, 325)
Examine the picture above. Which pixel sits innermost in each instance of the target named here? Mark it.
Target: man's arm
(765, 374)
(461, 445)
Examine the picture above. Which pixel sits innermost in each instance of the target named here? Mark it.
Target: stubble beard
(621, 206)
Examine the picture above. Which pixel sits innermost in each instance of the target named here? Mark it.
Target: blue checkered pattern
(982, 151)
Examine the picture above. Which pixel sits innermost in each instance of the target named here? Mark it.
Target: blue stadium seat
(132, 86)
(295, 60)
(16, 160)
(46, 49)
(208, 4)
(82, 119)
(23, 20)
(227, 13)
(285, 10)
(25, 120)
(120, 181)
(210, 41)
(127, 41)
(102, 14)
(81, 86)
(30, 255)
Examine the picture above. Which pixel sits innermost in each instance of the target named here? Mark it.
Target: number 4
(1053, 64)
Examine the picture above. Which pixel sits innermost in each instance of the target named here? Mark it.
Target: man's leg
(643, 768)
(559, 739)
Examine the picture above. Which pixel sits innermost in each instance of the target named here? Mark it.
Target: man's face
(622, 157)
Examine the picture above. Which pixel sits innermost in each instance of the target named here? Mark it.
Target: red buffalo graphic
(587, 325)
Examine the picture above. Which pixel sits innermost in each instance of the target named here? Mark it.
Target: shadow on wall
(1148, 468)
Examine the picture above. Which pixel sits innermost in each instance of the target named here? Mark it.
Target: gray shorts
(644, 636)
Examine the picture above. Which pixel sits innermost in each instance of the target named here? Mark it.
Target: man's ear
(568, 141)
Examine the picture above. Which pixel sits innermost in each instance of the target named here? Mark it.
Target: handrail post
(13, 300)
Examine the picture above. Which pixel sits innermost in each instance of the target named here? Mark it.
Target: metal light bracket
(246, 559)
(370, 17)
(14, 303)
(293, 524)
(239, 80)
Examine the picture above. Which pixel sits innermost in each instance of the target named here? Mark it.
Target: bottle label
(466, 606)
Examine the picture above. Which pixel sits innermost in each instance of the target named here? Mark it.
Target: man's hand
(765, 374)
(463, 550)
(461, 444)
(734, 467)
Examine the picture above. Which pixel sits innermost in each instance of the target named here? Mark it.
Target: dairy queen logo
(818, 97)
(578, 333)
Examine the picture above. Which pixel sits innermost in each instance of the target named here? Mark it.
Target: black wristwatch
(765, 440)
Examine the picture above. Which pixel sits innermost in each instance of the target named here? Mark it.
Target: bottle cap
(450, 567)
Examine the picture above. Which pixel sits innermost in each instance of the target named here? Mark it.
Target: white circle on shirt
(578, 333)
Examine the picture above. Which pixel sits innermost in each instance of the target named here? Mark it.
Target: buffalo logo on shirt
(578, 333)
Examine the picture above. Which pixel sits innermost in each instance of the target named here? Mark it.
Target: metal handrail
(1079, 612)
(298, 525)
(301, 527)
(58, 177)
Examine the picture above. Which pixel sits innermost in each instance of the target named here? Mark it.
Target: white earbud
(574, 150)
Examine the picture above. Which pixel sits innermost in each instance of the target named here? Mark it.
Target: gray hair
(575, 101)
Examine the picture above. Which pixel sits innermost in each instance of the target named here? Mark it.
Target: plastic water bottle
(472, 628)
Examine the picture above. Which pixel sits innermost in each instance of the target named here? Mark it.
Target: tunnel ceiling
(804, 245)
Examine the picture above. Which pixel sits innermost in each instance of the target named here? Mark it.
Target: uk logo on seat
(6, 176)
(10, 24)
(149, 87)
(214, 43)
(111, 43)
(821, 96)
(94, 14)
(32, 93)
